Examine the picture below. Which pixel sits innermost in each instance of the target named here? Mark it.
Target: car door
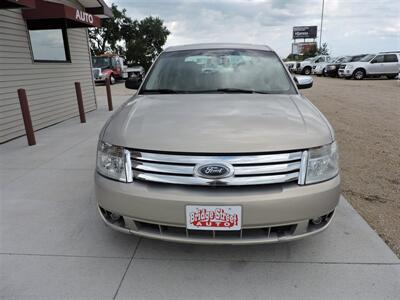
(391, 63)
(318, 61)
(376, 66)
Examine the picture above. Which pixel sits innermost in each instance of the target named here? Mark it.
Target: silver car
(218, 146)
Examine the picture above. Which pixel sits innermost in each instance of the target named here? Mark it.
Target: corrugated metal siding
(49, 86)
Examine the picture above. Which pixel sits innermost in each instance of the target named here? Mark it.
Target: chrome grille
(248, 169)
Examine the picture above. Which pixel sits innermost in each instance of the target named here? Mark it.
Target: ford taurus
(218, 146)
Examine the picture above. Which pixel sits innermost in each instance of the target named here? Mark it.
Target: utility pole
(322, 18)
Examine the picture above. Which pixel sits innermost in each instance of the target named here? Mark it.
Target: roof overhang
(48, 15)
(97, 7)
(9, 4)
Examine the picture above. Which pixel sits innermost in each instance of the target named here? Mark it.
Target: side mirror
(373, 61)
(303, 82)
(132, 83)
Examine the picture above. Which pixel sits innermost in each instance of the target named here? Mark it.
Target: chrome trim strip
(303, 168)
(232, 159)
(249, 180)
(162, 168)
(267, 169)
(128, 166)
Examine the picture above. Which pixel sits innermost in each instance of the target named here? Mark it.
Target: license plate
(202, 217)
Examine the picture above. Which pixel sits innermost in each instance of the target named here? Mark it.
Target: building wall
(49, 86)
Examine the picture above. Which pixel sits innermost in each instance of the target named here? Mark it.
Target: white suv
(372, 65)
(306, 66)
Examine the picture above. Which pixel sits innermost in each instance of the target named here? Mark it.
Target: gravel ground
(366, 118)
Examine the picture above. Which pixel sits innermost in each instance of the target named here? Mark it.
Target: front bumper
(100, 79)
(152, 210)
(345, 73)
(318, 71)
(331, 72)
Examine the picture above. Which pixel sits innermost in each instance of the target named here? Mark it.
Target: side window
(391, 58)
(378, 59)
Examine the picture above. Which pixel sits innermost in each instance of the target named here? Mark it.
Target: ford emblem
(214, 170)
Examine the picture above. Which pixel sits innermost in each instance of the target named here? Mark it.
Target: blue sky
(350, 26)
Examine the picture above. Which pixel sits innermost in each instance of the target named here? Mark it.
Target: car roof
(218, 46)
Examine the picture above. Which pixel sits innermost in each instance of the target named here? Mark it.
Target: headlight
(332, 67)
(322, 163)
(114, 162)
(349, 66)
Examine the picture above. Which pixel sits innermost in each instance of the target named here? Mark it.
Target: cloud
(350, 26)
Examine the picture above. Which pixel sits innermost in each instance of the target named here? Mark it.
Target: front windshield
(367, 58)
(340, 59)
(347, 59)
(218, 71)
(101, 62)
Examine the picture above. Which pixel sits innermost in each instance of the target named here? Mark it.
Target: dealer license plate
(202, 217)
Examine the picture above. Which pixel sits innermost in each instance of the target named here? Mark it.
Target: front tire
(112, 79)
(359, 74)
(307, 71)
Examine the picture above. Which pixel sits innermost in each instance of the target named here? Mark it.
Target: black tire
(359, 74)
(391, 76)
(307, 71)
(112, 79)
(323, 73)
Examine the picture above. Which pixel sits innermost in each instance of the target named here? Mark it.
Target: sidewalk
(53, 244)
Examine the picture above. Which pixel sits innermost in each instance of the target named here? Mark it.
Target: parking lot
(54, 245)
(365, 115)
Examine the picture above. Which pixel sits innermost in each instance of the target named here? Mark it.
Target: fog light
(316, 221)
(114, 217)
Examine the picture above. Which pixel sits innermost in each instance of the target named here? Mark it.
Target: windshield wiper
(227, 90)
(162, 91)
(234, 90)
(224, 90)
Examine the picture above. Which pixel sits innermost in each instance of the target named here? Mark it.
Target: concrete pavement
(53, 245)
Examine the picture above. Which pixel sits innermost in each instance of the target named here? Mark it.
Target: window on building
(50, 45)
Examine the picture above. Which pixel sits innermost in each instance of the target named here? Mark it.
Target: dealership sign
(305, 32)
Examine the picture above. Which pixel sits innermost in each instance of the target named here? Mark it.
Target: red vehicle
(107, 66)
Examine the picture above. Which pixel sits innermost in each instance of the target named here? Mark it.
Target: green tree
(324, 49)
(107, 37)
(140, 41)
(145, 41)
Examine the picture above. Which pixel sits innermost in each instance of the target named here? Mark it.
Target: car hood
(218, 123)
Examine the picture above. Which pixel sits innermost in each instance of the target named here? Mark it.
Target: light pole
(322, 18)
